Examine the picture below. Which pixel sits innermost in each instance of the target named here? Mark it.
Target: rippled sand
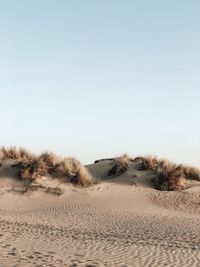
(118, 222)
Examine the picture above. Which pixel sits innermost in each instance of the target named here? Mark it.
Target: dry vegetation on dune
(70, 168)
(50, 159)
(119, 166)
(1, 154)
(47, 164)
(83, 177)
(31, 170)
(168, 175)
(147, 163)
(191, 172)
(15, 154)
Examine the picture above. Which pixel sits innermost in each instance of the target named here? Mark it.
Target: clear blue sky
(95, 79)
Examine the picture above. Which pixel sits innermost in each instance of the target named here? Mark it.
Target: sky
(98, 78)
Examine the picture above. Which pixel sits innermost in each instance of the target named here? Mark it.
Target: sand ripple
(90, 230)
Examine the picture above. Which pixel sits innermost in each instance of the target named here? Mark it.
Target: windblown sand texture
(118, 221)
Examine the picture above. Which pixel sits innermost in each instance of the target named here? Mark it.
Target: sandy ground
(118, 222)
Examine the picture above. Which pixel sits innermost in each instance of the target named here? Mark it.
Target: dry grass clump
(191, 173)
(32, 170)
(72, 169)
(47, 166)
(50, 165)
(147, 163)
(50, 159)
(15, 154)
(120, 165)
(60, 167)
(82, 177)
(1, 154)
(169, 176)
(71, 166)
(53, 163)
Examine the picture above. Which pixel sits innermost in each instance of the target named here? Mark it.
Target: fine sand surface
(121, 221)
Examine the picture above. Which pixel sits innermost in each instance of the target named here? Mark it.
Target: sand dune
(119, 221)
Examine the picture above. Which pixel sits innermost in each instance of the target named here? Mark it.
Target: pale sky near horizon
(95, 79)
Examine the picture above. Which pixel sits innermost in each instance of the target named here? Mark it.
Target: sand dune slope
(120, 221)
